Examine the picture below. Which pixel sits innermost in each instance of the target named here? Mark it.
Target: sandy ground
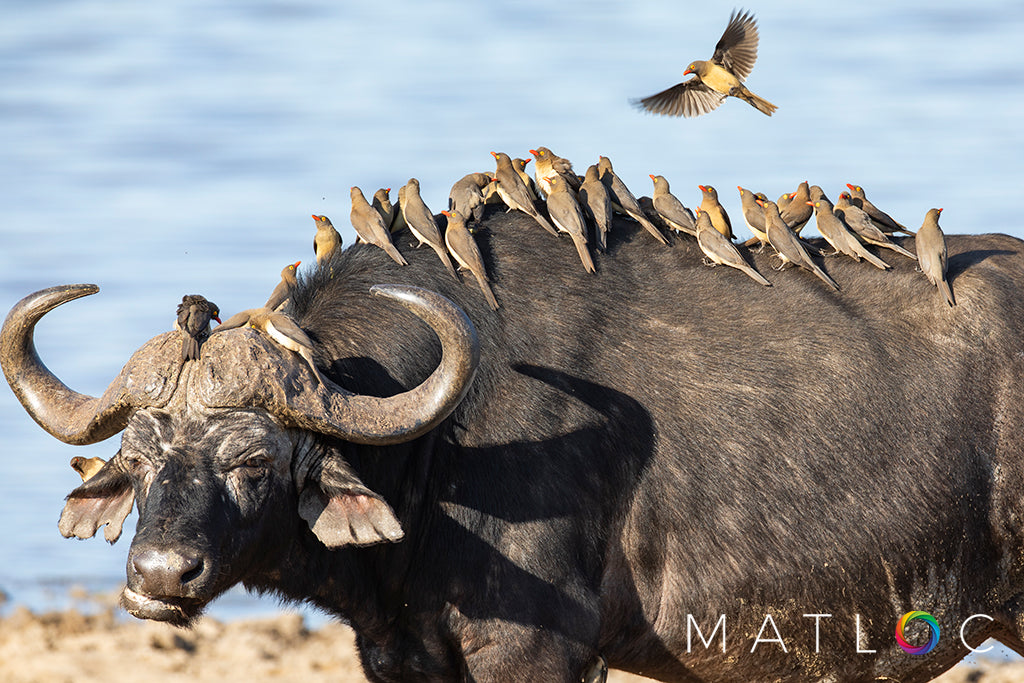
(73, 647)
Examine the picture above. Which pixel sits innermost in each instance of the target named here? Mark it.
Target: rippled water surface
(159, 149)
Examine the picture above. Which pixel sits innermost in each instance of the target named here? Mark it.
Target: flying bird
(715, 79)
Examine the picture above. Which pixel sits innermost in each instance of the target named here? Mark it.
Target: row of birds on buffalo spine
(582, 206)
(576, 205)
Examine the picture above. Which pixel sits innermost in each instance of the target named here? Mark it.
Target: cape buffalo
(665, 465)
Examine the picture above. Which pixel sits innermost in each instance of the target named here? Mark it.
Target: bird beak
(217, 319)
(387, 189)
(687, 72)
(494, 154)
(447, 213)
(940, 210)
(849, 186)
(315, 217)
(651, 176)
(759, 203)
(533, 152)
(702, 188)
(809, 203)
(296, 264)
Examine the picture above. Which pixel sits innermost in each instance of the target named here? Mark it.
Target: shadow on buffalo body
(526, 538)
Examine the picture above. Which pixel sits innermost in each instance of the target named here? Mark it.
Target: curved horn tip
(45, 300)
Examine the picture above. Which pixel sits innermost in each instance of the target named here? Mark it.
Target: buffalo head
(214, 449)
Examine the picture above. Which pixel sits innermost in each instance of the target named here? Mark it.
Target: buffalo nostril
(166, 572)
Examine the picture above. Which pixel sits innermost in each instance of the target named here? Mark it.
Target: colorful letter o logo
(933, 633)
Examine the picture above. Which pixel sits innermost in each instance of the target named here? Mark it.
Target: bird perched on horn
(717, 78)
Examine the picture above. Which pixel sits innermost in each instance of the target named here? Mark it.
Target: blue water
(159, 149)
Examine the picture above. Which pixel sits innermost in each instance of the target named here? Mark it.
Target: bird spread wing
(737, 48)
(689, 98)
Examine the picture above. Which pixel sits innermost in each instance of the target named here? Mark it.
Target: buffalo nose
(166, 572)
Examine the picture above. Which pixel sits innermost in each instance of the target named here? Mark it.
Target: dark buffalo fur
(664, 439)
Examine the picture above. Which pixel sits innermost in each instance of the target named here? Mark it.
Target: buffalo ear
(106, 498)
(341, 511)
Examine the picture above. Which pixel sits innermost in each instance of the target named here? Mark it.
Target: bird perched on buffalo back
(422, 224)
(753, 216)
(716, 212)
(787, 244)
(327, 241)
(798, 211)
(520, 165)
(513, 191)
(884, 221)
(467, 195)
(671, 210)
(597, 205)
(718, 250)
(623, 200)
(547, 165)
(836, 233)
(463, 247)
(284, 288)
(860, 223)
(715, 79)
(194, 316)
(369, 225)
(382, 202)
(931, 254)
(567, 216)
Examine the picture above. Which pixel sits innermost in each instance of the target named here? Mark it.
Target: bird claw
(708, 262)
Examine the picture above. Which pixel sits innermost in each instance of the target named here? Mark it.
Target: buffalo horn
(146, 380)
